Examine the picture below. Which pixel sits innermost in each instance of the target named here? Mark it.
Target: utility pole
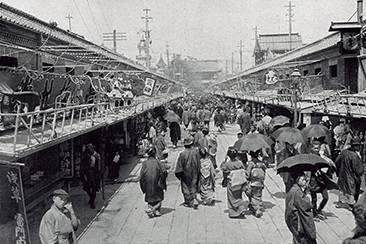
(290, 15)
(147, 36)
(167, 59)
(226, 67)
(256, 33)
(114, 36)
(241, 55)
(69, 17)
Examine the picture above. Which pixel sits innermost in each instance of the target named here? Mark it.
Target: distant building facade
(268, 46)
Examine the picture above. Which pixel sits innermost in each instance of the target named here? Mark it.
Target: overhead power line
(91, 36)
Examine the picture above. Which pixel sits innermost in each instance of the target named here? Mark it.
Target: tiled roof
(324, 43)
(27, 21)
(279, 43)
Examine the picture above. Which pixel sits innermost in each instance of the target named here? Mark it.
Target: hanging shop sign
(271, 77)
(13, 219)
(149, 86)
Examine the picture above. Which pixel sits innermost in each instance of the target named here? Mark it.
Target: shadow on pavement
(280, 195)
(166, 210)
(268, 205)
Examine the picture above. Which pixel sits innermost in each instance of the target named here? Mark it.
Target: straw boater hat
(188, 141)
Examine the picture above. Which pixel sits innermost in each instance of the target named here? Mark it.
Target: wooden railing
(33, 129)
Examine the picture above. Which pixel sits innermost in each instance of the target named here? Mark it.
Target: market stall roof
(339, 26)
(326, 42)
(76, 45)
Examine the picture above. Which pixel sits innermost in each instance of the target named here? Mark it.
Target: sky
(204, 29)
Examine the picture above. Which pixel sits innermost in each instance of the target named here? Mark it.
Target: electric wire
(95, 23)
(105, 19)
(91, 36)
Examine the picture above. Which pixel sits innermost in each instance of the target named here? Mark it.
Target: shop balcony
(25, 133)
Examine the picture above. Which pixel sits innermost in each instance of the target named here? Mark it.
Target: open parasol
(172, 117)
(279, 120)
(253, 142)
(291, 135)
(317, 131)
(277, 132)
(303, 162)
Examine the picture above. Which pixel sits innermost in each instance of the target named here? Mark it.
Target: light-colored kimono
(56, 227)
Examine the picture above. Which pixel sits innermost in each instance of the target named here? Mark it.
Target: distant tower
(144, 56)
(161, 65)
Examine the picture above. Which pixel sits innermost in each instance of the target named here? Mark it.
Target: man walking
(188, 171)
(349, 171)
(90, 171)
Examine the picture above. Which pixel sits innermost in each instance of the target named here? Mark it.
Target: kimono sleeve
(179, 167)
(142, 178)
(306, 223)
(357, 166)
(47, 232)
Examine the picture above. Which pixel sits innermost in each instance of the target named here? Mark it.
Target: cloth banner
(13, 219)
(149, 86)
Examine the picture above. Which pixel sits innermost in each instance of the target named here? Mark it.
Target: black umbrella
(303, 162)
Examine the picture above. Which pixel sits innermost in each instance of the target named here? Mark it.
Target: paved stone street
(124, 219)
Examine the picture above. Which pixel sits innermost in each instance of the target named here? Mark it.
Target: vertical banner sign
(149, 86)
(13, 219)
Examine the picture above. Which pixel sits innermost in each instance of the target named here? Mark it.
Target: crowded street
(124, 219)
(182, 122)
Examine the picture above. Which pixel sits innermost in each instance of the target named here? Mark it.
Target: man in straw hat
(59, 223)
(187, 171)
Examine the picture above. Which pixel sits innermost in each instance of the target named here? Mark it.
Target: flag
(149, 86)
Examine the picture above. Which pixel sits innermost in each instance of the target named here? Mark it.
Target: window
(48, 67)
(333, 71)
(305, 72)
(318, 71)
(8, 61)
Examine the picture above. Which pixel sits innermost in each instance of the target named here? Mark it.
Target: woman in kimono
(153, 183)
(207, 178)
(298, 212)
(235, 180)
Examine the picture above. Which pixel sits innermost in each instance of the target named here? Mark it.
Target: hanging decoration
(271, 77)
(149, 86)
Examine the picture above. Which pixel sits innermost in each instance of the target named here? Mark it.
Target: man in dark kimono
(219, 120)
(288, 151)
(91, 172)
(153, 183)
(160, 144)
(174, 133)
(298, 214)
(244, 121)
(188, 171)
(349, 171)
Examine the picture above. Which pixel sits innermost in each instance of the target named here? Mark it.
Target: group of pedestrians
(243, 172)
